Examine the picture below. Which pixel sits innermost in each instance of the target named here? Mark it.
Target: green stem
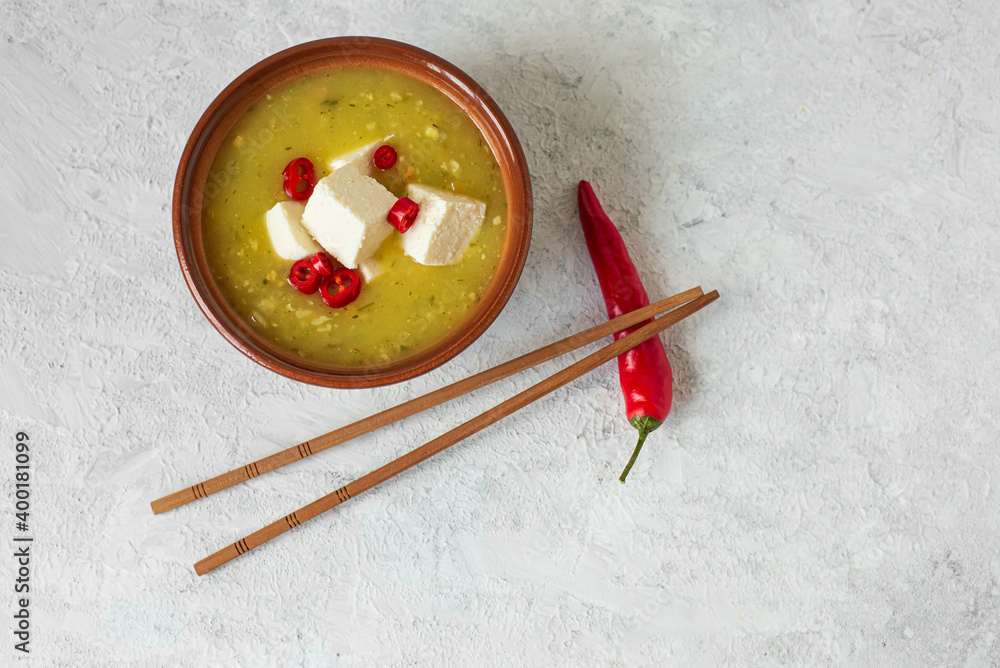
(645, 424)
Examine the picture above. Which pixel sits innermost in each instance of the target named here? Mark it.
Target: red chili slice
(340, 289)
(322, 263)
(403, 213)
(385, 157)
(304, 277)
(300, 178)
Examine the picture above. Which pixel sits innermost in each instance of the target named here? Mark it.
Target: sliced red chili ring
(322, 263)
(385, 157)
(403, 213)
(341, 288)
(304, 277)
(299, 178)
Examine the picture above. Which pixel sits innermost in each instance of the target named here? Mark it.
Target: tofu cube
(289, 238)
(361, 159)
(346, 215)
(370, 268)
(444, 227)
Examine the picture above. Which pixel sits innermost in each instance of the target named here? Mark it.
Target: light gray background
(824, 492)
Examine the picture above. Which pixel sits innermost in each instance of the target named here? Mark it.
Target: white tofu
(370, 268)
(284, 225)
(444, 227)
(361, 159)
(346, 215)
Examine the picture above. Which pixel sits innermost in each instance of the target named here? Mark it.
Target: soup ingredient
(299, 178)
(346, 215)
(304, 277)
(644, 371)
(370, 268)
(403, 213)
(385, 157)
(321, 263)
(341, 288)
(284, 226)
(444, 226)
(362, 159)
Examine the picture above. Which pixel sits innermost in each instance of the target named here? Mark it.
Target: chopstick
(414, 406)
(433, 447)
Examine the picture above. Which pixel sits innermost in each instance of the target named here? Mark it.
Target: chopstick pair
(422, 403)
(693, 300)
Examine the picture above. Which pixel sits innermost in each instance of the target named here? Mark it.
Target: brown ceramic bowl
(226, 109)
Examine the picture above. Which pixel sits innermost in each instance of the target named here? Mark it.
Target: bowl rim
(297, 61)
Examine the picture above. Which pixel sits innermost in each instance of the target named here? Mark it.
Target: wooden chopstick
(448, 439)
(414, 406)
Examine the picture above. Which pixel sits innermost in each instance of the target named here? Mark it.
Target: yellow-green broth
(321, 117)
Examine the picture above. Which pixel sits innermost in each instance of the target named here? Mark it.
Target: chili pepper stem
(645, 424)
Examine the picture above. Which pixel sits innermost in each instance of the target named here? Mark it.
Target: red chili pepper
(304, 276)
(403, 213)
(322, 263)
(644, 371)
(300, 178)
(385, 157)
(341, 289)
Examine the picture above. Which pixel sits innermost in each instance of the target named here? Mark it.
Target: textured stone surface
(824, 492)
